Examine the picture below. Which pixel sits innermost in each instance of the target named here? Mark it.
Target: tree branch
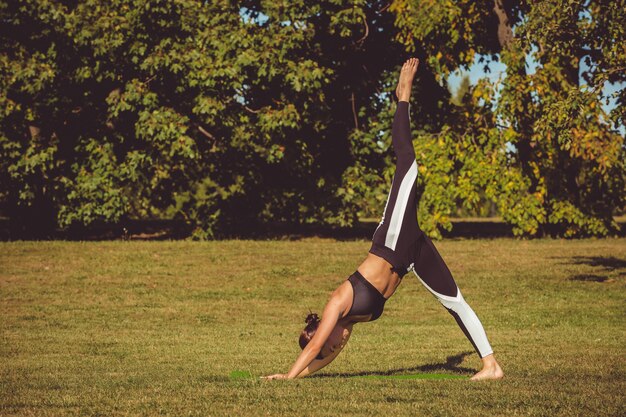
(367, 31)
(35, 131)
(382, 9)
(356, 121)
(204, 132)
(252, 110)
(149, 79)
(505, 33)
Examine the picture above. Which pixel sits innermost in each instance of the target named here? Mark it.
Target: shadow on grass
(155, 229)
(589, 278)
(609, 263)
(451, 364)
(163, 229)
(602, 264)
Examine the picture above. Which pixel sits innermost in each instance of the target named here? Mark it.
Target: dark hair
(312, 323)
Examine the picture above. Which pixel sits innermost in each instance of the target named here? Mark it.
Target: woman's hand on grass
(275, 376)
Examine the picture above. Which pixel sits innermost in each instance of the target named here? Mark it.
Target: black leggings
(399, 239)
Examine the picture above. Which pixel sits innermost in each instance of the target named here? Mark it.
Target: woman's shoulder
(343, 295)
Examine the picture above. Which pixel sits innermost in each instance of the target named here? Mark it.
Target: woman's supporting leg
(433, 272)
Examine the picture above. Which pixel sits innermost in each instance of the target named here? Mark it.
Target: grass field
(157, 328)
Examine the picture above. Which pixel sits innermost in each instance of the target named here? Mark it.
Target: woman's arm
(318, 364)
(330, 316)
(306, 364)
(314, 366)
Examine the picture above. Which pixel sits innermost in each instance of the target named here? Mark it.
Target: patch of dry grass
(131, 328)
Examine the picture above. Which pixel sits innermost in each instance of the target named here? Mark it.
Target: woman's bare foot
(491, 370)
(403, 90)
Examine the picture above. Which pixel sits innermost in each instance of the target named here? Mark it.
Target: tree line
(233, 116)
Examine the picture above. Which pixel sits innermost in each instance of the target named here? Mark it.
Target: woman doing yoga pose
(399, 246)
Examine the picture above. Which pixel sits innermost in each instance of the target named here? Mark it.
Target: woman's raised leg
(401, 207)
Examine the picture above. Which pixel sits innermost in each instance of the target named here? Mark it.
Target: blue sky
(497, 69)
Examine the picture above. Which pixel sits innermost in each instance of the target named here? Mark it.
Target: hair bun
(312, 318)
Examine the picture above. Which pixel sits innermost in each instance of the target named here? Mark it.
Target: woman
(398, 246)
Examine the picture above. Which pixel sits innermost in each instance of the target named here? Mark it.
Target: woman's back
(378, 272)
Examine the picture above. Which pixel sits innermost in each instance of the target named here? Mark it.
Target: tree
(235, 116)
(544, 151)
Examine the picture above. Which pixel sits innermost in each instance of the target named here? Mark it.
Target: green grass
(158, 328)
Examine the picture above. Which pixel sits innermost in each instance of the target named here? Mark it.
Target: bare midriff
(378, 272)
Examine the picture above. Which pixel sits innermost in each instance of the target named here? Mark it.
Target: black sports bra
(367, 299)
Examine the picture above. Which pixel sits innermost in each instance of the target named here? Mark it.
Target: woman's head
(312, 323)
(333, 342)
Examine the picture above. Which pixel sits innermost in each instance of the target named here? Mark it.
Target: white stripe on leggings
(395, 224)
(382, 220)
(467, 316)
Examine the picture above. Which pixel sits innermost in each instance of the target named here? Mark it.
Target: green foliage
(557, 159)
(237, 116)
(572, 155)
